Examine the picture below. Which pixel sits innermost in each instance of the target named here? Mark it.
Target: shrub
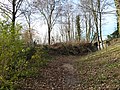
(12, 64)
(70, 49)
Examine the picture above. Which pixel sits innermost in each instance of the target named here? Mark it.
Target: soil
(60, 74)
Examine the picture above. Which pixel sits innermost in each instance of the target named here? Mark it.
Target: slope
(100, 70)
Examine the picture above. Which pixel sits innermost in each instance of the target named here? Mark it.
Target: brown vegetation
(71, 49)
(115, 41)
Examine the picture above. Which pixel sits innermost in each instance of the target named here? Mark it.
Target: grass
(100, 70)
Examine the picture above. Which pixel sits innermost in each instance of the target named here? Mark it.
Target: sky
(108, 25)
(110, 22)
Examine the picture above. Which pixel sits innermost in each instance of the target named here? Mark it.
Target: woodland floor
(59, 74)
(96, 71)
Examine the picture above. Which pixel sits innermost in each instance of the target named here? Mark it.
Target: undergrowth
(16, 60)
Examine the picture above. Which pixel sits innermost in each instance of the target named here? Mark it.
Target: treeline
(76, 20)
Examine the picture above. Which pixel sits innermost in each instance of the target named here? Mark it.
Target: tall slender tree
(50, 10)
(78, 27)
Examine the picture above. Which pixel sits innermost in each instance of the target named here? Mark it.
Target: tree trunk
(86, 28)
(95, 15)
(100, 21)
(78, 27)
(30, 33)
(13, 17)
(72, 28)
(49, 30)
(89, 29)
(101, 30)
(97, 30)
(69, 29)
(117, 4)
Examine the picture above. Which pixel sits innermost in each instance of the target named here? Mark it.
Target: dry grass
(100, 70)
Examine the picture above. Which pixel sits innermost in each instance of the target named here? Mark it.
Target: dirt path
(60, 74)
(96, 71)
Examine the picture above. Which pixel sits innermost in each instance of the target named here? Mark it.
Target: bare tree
(50, 10)
(28, 12)
(67, 16)
(93, 11)
(88, 18)
(11, 9)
